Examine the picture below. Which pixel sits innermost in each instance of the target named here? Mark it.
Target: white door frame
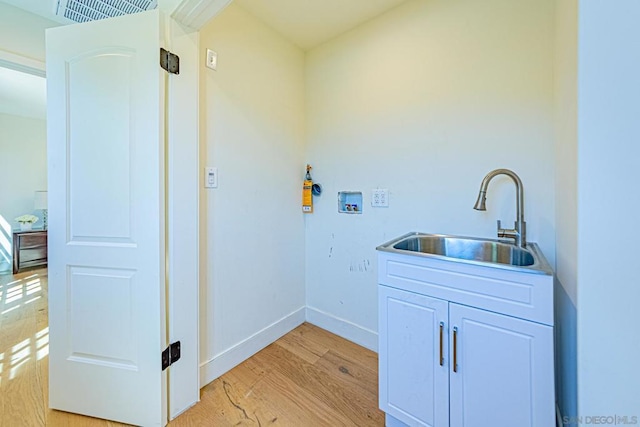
(196, 13)
(182, 200)
(22, 63)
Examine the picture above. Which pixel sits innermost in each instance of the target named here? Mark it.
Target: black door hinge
(171, 355)
(170, 62)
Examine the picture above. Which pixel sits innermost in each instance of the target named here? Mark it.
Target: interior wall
(22, 33)
(566, 127)
(424, 101)
(608, 170)
(23, 170)
(22, 140)
(252, 230)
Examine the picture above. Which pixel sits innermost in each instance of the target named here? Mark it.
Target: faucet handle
(502, 233)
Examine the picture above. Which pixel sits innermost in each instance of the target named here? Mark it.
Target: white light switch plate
(212, 60)
(210, 177)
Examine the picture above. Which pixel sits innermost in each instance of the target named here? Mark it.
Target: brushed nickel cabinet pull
(455, 349)
(441, 341)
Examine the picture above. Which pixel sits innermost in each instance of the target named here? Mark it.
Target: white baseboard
(240, 352)
(341, 327)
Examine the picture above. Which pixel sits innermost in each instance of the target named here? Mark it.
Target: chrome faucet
(519, 232)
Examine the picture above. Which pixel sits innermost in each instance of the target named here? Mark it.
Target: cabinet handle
(455, 349)
(441, 340)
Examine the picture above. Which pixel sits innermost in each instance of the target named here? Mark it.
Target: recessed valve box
(350, 202)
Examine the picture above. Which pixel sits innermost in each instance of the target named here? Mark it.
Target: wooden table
(29, 249)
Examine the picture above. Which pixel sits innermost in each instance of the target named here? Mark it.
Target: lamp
(40, 202)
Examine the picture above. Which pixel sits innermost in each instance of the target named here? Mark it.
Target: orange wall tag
(307, 199)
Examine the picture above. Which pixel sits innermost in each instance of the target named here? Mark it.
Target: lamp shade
(40, 200)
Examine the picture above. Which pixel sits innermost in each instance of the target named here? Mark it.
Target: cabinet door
(504, 372)
(414, 383)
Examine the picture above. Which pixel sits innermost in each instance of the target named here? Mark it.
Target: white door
(504, 370)
(414, 382)
(106, 219)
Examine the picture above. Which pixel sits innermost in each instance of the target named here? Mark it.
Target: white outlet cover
(212, 60)
(380, 198)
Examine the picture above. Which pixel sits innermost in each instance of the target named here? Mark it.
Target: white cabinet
(504, 374)
(450, 359)
(413, 375)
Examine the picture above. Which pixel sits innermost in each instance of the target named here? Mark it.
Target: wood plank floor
(309, 377)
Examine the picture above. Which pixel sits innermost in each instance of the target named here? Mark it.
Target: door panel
(413, 384)
(106, 219)
(505, 370)
(99, 144)
(100, 299)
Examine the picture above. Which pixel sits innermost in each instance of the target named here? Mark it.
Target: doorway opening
(24, 332)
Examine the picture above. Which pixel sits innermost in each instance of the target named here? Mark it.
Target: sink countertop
(540, 265)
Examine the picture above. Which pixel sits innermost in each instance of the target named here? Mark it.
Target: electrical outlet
(384, 198)
(380, 198)
(212, 60)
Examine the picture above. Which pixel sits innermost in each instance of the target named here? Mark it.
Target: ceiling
(43, 8)
(306, 23)
(22, 94)
(309, 23)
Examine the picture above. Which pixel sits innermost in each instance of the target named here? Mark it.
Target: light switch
(212, 59)
(210, 177)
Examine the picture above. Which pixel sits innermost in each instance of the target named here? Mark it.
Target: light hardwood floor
(309, 377)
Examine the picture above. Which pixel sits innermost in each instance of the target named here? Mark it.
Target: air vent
(91, 10)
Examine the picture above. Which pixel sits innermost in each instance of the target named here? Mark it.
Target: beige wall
(566, 150)
(252, 234)
(566, 134)
(424, 101)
